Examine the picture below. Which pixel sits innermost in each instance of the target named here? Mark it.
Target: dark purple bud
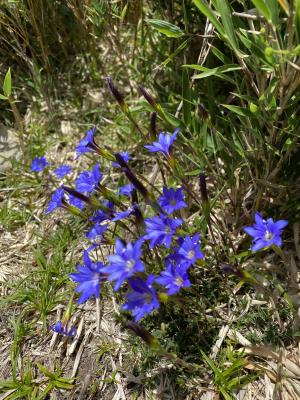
(148, 97)
(130, 175)
(153, 125)
(134, 197)
(203, 188)
(77, 194)
(138, 216)
(117, 95)
(229, 269)
(146, 336)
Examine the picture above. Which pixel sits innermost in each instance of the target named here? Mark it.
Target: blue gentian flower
(97, 231)
(126, 157)
(125, 262)
(56, 200)
(124, 214)
(101, 215)
(265, 233)
(189, 250)
(164, 143)
(88, 277)
(160, 229)
(62, 171)
(87, 143)
(38, 164)
(88, 180)
(61, 328)
(171, 200)
(142, 299)
(126, 189)
(174, 278)
(75, 201)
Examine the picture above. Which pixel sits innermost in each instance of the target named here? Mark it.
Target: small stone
(9, 148)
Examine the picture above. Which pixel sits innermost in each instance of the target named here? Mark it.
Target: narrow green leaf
(166, 28)
(186, 97)
(274, 10)
(181, 47)
(214, 71)
(262, 7)
(244, 112)
(218, 71)
(221, 56)
(210, 14)
(297, 18)
(123, 13)
(7, 84)
(226, 15)
(3, 97)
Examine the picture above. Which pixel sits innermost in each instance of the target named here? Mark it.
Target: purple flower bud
(203, 188)
(117, 95)
(148, 96)
(76, 194)
(153, 125)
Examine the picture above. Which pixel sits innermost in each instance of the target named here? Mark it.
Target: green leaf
(297, 18)
(3, 97)
(210, 14)
(123, 13)
(166, 28)
(181, 47)
(263, 8)
(226, 15)
(7, 84)
(244, 112)
(212, 71)
(186, 97)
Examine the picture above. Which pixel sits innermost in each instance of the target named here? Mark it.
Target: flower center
(173, 202)
(268, 235)
(148, 298)
(96, 276)
(130, 264)
(191, 254)
(178, 281)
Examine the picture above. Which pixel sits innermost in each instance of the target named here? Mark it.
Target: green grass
(237, 111)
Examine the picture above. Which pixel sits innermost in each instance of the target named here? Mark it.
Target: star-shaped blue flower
(89, 278)
(56, 200)
(164, 143)
(189, 250)
(142, 299)
(160, 229)
(174, 278)
(126, 189)
(124, 214)
(39, 164)
(125, 263)
(265, 233)
(171, 200)
(102, 215)
(62, 171)
(88, 180)
(61, 328)
(96, 232)
(87, 143)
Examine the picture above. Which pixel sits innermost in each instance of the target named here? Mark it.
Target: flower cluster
(161, 250)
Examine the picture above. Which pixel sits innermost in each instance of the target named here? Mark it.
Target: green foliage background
(226, 72)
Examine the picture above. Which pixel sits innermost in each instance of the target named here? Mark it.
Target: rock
(9, 148)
